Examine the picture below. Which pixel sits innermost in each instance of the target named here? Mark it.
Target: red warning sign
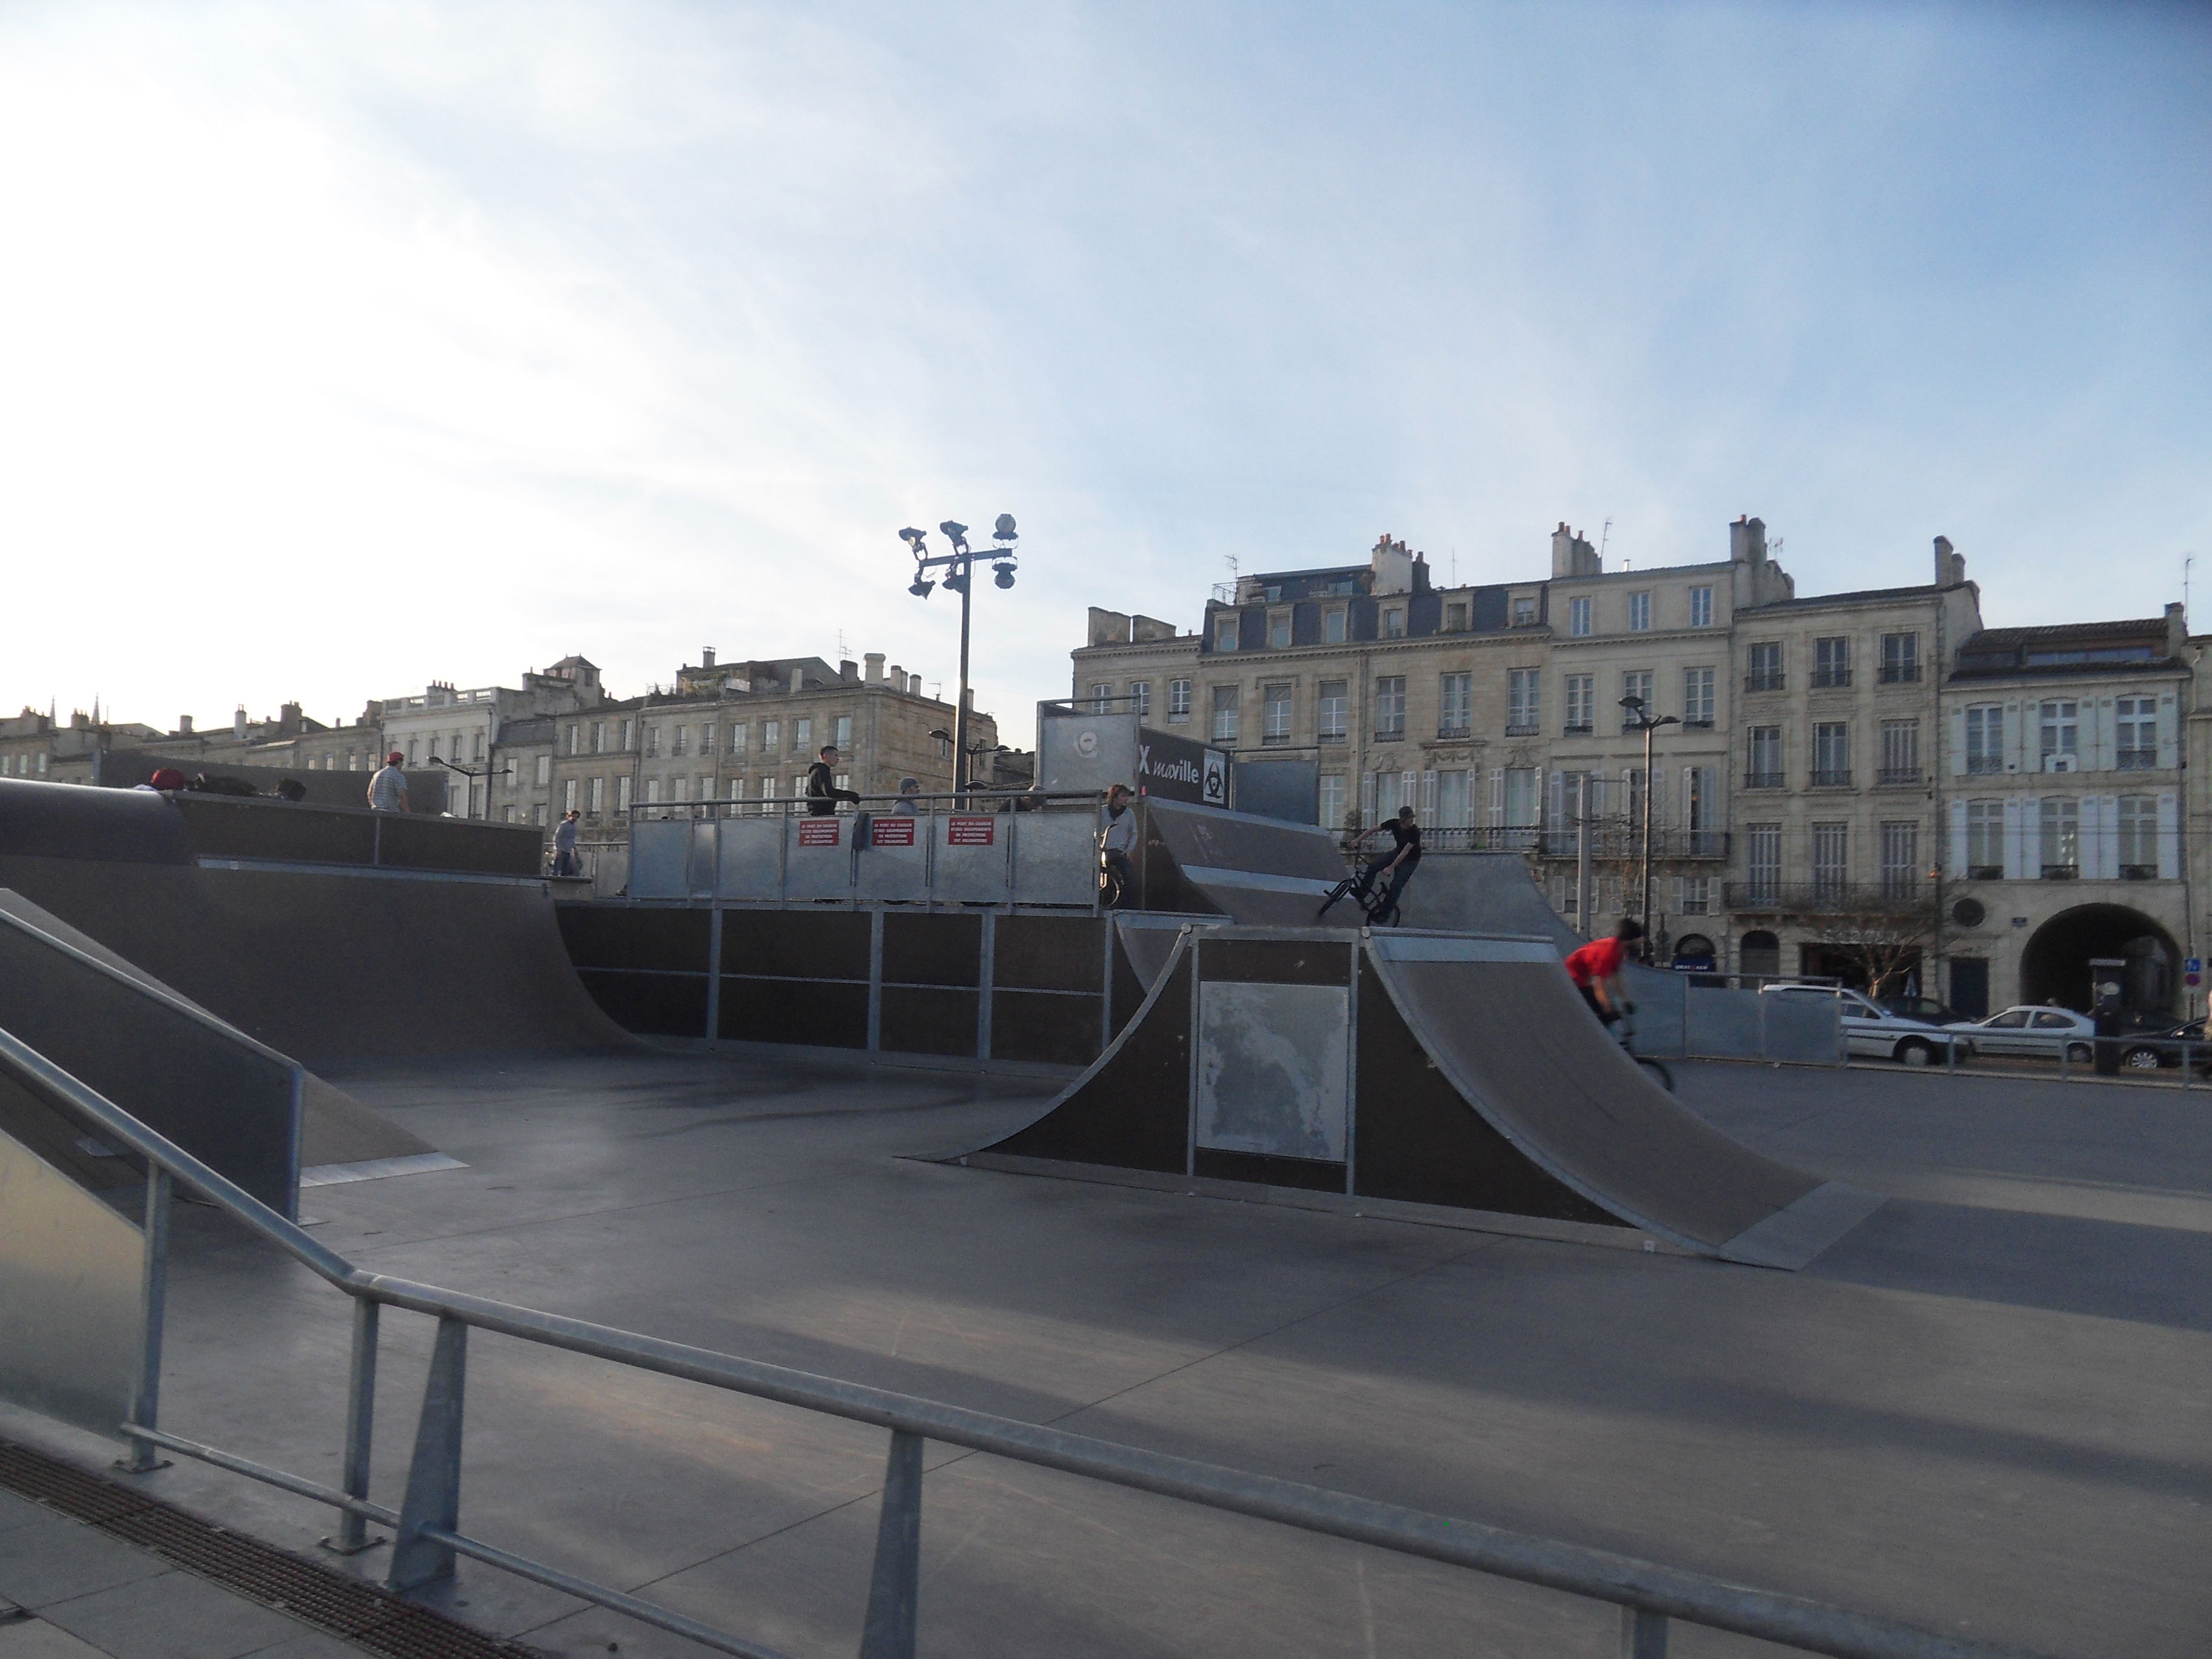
(892, 832)
(971, 832)
(818, 832)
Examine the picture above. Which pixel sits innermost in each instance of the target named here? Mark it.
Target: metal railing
(1822, 897)
(427, 1536)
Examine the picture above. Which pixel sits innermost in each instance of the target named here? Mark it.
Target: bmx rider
(1397, 864)
(1595, 971)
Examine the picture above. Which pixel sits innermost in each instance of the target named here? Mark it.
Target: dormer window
(1225, 633)
(1332, 625)
(1524, 611)
(1393, 623)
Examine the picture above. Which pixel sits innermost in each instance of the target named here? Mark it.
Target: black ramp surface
(1503, 1022)
(1258, 872)
(326, 966)
(1482, 893)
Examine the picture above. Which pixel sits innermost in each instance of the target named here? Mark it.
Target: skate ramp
(1456, 1072)
(340, 1138)
(1482, 893)
(1254, 870)
(323, 966)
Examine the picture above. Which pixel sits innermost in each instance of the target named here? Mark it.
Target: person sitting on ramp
(1595, 971)
(1397, 864)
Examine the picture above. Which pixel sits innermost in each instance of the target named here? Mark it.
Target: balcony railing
(1615, 841)
(1460, 730)
(1899, 673)
(1756, 680)
(1829, 678)
(1398, 736)
(1833, 777)
(1525, 729)
(1573, 730)
(1762, 780)
(1981, 766)
(1899, 774)
(1778, 897)
(2137, 759)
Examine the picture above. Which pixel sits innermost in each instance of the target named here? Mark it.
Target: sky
(347, 347)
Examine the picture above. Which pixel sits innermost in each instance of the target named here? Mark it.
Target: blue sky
(346, 347)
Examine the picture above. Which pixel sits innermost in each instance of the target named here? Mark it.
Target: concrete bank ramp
(1404, 1069)
(340, 1139)
(1254, 870)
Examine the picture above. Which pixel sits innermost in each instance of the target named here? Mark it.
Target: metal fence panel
(660, 860)
(893, 859)
(817, 857)
(970, 854)
(702, 867)
(750, 861)
(1723, 1024)
(69, 1294)
(1803, 1030)
(1056, 858)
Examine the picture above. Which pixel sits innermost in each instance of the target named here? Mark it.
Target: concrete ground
(1984, 1411)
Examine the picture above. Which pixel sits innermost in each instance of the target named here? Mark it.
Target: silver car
(2033, 1029)
(1872, 1032)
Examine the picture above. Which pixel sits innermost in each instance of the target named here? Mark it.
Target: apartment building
(2063, 761)
(445, 723)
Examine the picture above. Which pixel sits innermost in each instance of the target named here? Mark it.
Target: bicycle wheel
(1334, 894)
(1658, 1073)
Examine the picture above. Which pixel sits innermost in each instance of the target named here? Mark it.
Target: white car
(2030, 1029)
(1871, 1030)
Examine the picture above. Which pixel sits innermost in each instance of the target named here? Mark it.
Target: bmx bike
(1624, 1033)
(1382, 911)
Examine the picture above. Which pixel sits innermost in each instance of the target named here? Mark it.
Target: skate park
(705, 1187)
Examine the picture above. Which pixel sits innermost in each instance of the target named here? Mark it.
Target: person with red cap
(387, 790)
(166, 781)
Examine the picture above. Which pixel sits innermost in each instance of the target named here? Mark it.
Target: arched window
(1759, 953)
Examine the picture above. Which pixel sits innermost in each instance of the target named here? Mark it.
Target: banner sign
(971, 832)
(818, 832)
(893, 832)
(1177, 769)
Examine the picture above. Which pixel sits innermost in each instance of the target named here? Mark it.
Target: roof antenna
(2187, 559)
(1604, 536)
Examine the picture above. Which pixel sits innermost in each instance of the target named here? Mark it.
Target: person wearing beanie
(387, 789)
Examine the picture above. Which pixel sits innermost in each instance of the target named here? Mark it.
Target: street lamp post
(487, 773)
(1640, 720)
(959, 567)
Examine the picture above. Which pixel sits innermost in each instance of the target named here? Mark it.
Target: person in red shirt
(1595, 971)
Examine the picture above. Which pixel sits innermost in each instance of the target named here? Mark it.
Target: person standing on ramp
(565, 859)
(1595, 971)
(822, 794)
(387, 788)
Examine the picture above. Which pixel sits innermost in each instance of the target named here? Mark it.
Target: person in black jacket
(822, 794)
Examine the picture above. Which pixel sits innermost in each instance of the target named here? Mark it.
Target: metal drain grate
(306, 1589)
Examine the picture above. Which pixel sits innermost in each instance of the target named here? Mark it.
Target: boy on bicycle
(1397, 864)
(1595, 971)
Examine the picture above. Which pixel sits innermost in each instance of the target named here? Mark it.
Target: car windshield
(2011, 1020)
(1918, 1008)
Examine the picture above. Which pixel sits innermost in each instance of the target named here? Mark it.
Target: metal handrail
(428, 1536)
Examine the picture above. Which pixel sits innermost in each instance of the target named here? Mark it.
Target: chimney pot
(706, 656)
(237, 722)
(184, 724)
(913, 684)
(874, 668)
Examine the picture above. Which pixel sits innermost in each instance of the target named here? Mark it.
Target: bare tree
(1885, 934)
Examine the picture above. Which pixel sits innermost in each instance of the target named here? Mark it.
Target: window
(653, 792)
(545, 771)
(680, 787)
(1393, 623)
(1332, 800)
(1332, 625)
(653, 740)
(1831, 861)
(538, 814)
(1697, 895)
(1831, 660)
(1901, 860)
(622, 786)
(1763, 671)
(1639, 613)
(1140, 698)
(568, 795)
(2061, 728)
(771, 737)
(2138, 734)
(1390, 794)
(707, 737)
(1985, 738)
(1582, 702)
(1524, 709)
(1701, 607)
(1901, 752)
(1832, 754)
(768, 794)
(1274, 715)
(1697, 696)
(679, 739)
(629, 734)
(2138, 838)
(1455, 617)
(2062, 838)
(1985, 840)
(574, 732)
(841, 731)
(1390, 706)
(1455, 800)
(1102, 697)
(738, 735)
(1455, 705)
(598, 736)
(1578, 617)
(1524, 611)
(1900, 659)
(1178, 700)
(476, 746)
(1329, 711)
(1224, 713)
(1763, 769)
(412, 742)
(1279, 631)
(802, 735)
(1701, 812)
(1225, 633)
(1763, 862)
(1636, 682)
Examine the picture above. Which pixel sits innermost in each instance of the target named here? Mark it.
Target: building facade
(1807, 789)
(446, 723)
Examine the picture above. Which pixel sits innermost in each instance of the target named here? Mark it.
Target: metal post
(1582, 856)
(967, 569)
(154, 1289)
(1643, 1634)
(360, 1414)
(434, 1479)
(895, 1586)
(715, 949)
(1644, 915)
(987, 954)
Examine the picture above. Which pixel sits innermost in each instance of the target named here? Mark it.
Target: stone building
(464, 727)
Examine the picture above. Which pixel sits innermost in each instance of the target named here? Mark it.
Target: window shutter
(2169, 833)
(1957, 727)
(2016, 848)
(2031, 839)
(2167, 759)
(1366, 798)
(1555, 802)
(1429, 796)
(1958, 859)
(1496, 796)
(2101, 850)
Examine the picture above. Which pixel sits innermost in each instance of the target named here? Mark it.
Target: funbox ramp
(1254, 870)
(1422, 1068)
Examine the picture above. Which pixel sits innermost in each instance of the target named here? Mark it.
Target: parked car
(2154, 1041)
(1871, 1031)
(1926, 1010)
(2042, 1033)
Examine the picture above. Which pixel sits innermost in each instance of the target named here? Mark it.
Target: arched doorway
(2055, 966)
(1694, 950)
(1760, 952)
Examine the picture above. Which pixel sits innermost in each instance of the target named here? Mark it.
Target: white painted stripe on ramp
(377, 1169)
(1207, 877)
(1435, 949)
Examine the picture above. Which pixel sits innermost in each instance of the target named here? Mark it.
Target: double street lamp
(487, 773)
(1640, 719)
(959, 567)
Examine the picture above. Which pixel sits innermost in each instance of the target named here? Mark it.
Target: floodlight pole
(1640, 720)
(960, 565)
(967, 569)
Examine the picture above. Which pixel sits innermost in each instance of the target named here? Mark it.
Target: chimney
(2176, 632)
(706, 656)
(874, 669)
(1109, 627)
(913, 685)
(1748, 541)
(183, 725)
(1943, 562)
(1393, 566)
(237, 723)
(290, 719)
(898, 677)
(849, 671)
